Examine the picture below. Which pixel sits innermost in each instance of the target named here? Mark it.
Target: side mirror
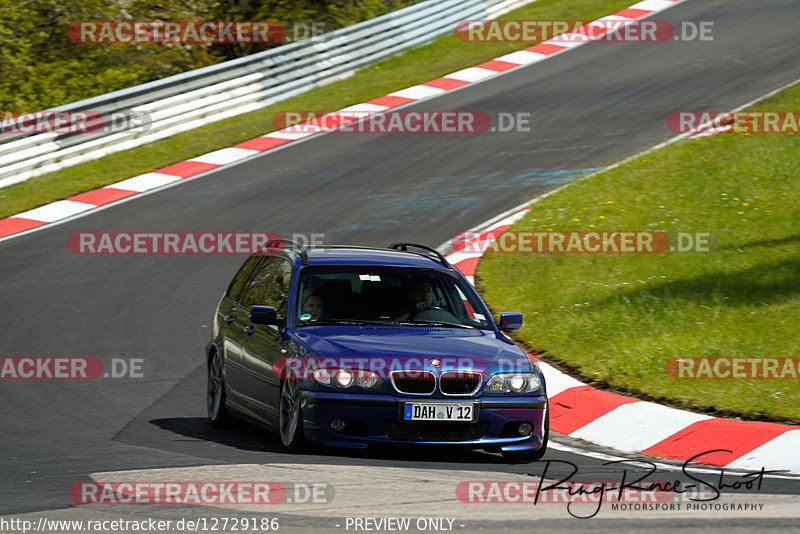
(264, 315)
(510, 321)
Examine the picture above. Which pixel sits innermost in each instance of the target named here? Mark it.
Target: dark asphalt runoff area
(590, 107)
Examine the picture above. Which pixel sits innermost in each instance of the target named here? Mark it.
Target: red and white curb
(631, 425)
(84, 203)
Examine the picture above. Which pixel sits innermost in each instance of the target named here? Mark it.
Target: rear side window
(254, 294)
(278, 293)
(238, 282)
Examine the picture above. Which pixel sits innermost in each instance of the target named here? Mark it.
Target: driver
(420, 296)
(312, 305)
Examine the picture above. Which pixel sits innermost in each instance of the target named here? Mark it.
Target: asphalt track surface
(591, 107)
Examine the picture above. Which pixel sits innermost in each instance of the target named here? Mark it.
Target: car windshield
(355, 294)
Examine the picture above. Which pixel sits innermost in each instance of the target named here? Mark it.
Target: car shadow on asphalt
(244, 436)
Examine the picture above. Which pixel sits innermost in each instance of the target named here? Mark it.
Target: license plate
(430, 411)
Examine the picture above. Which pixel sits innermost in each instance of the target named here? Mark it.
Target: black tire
(215, 393)
(290, 417)
(531, 456)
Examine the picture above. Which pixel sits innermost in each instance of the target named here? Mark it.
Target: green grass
(442, 56)
(616, 320)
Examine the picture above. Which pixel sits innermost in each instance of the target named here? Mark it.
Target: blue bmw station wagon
(346, 346)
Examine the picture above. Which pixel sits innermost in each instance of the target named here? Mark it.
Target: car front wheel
(217, 412)
(291, 417)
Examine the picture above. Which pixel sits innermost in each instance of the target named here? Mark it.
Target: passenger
(420, 296)
(312, 305)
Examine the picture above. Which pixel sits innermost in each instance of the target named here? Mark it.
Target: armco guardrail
(197, 97)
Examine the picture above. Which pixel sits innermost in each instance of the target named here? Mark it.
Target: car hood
(386, 348)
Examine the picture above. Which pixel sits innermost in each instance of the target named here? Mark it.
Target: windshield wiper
(414, 322)
(436, 323)
(344, 321)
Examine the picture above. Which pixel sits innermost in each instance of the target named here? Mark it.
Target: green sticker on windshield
(305, 317)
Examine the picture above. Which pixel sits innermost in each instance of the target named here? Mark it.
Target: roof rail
(404, 247)
(304, 252)
(302, 249)
(361, 247)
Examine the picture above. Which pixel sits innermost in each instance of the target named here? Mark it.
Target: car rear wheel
(531, 456)
(291, 417)
(217, 412)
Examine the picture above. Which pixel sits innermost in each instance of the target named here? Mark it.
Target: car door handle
(249, 330)
(229, 319)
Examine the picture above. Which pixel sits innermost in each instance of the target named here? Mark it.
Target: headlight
(345, 378)
(513, 382)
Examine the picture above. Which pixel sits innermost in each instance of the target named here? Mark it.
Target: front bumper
(376, 419)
